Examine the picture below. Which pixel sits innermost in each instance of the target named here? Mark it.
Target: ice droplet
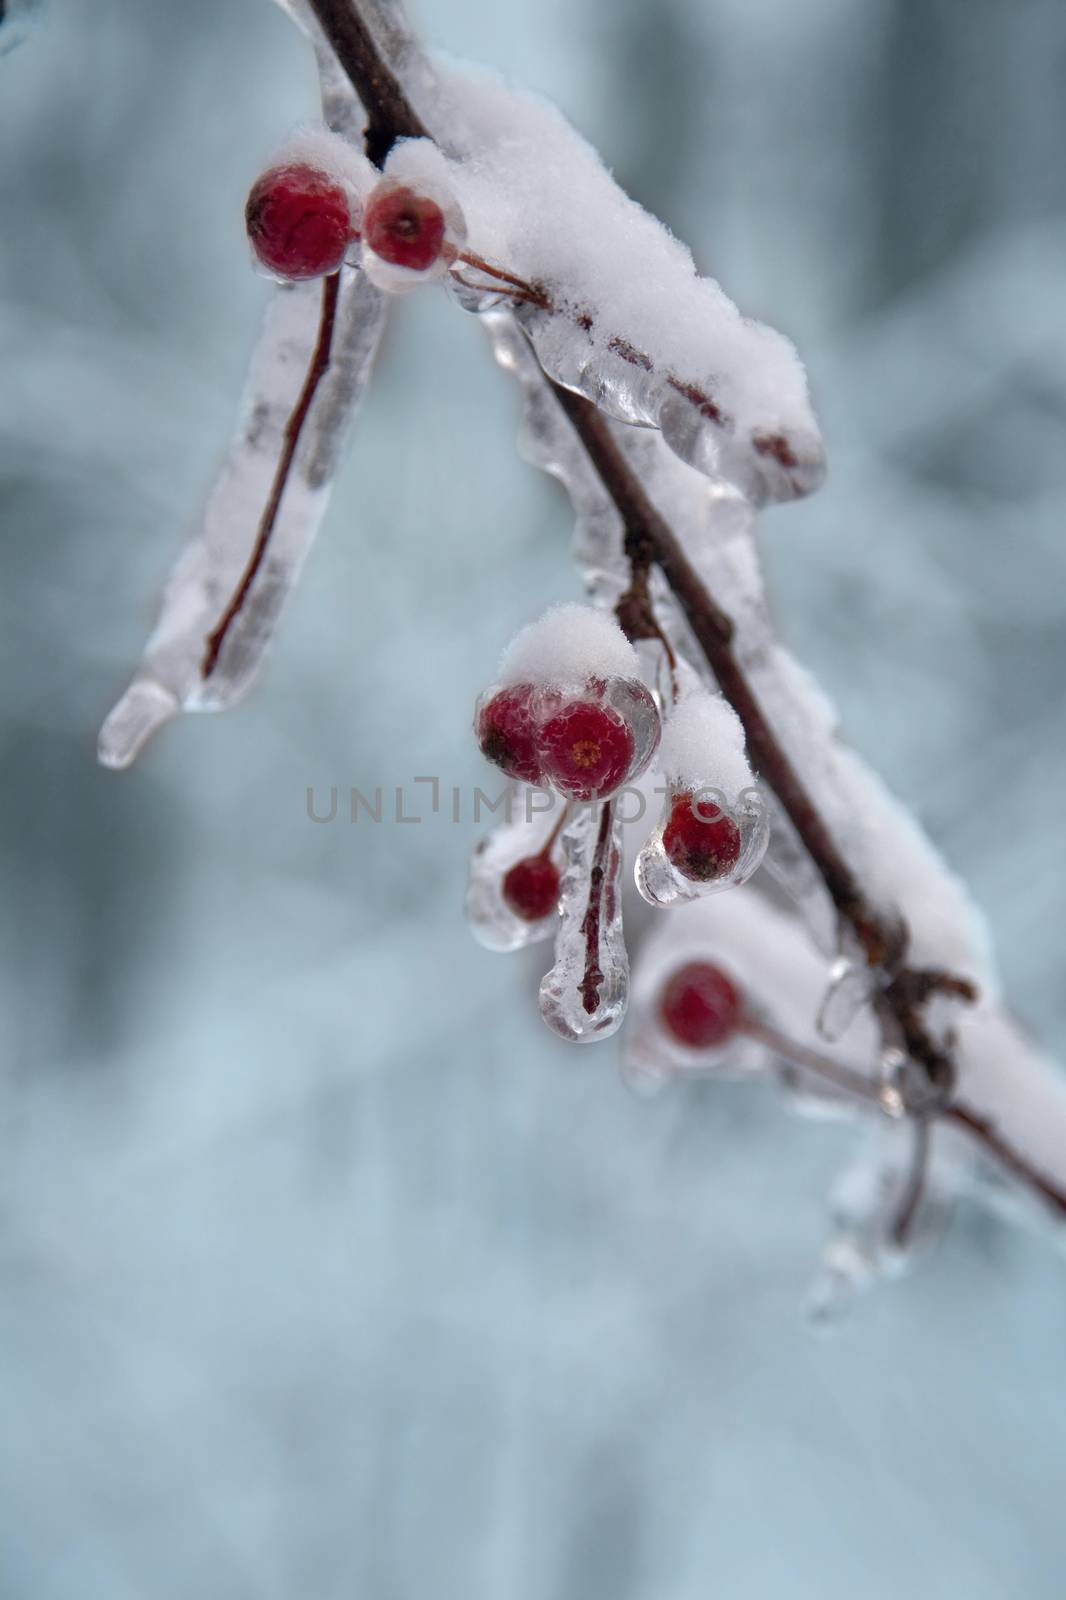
(661, 884)
(527, 827)
(851, 986)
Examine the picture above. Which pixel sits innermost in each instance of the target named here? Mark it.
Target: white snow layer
(313, 144)
(569, 645)
(632, 324)
(703, 744)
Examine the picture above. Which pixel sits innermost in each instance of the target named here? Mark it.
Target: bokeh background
(324, 1271)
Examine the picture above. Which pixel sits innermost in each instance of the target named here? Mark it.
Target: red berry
(586, 749)
(699, 1006)
(531, 888)
(298, 221)
(403, 227)
(506, 730)
(700, 840)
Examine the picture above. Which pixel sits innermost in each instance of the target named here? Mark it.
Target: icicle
(852, 985)
(547, 441)
(853, 981)
(887, 1208)
(584, 996)
(203, 586)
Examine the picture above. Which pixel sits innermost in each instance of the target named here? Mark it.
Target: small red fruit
(506, 730)
(298, 221)
(403, 227)
(700, 840)
(699, 1006)
(587, 750)
(531, 888)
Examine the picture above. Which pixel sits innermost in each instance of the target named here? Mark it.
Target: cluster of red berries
(699, 1006)
(579, 743)
(301, 223)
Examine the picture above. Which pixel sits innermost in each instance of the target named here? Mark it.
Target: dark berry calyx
(531, 888)
(506, 729)
(700, 1007)
(700, 840)
(403, 227)
(299, 221)
(586, 749)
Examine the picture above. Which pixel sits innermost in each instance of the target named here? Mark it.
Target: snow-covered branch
(853, 966)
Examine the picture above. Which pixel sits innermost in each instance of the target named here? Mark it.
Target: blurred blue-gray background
(324, 1272)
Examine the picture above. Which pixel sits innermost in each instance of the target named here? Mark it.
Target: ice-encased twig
(171, 675)
(585, 994)
(208, 575)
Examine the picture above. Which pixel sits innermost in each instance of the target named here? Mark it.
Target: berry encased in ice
(403, 227)
(506, 728)
(299, 221)
(531, 888)
(699, 1007)
(700, 840)
(586, 750)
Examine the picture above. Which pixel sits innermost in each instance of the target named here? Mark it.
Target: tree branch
(650, 541)
(390, 115)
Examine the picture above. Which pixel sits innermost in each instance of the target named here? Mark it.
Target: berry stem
(550, 841)
(530, 292)
(834, 1072)
(293, 428)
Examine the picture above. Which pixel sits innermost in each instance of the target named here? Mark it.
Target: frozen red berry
(531, 888)
(403, 227)
(298, 221)
(586, 749)
(700, 840)
(699, 1007)
(507, 732)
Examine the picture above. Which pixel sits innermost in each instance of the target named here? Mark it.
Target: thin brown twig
(390, 115)
(589, 987)
(991, 1141)
(560, 822)
(838, 1073)
(293, 428)
(531, 292)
